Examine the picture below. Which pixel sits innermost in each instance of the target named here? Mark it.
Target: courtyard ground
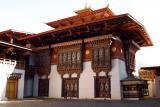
(80, 103)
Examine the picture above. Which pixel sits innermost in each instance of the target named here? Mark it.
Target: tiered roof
(88, 23)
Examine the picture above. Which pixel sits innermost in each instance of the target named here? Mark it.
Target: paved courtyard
(80, 103)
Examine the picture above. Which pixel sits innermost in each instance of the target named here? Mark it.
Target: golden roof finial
(86, 4)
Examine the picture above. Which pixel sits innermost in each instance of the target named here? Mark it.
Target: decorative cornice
(14, 76)
(75, 42)
(102, 37)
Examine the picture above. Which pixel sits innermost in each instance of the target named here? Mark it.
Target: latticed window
(95, 56)
(69, 61)
(60, 58)
(101, 58)
(101, 53)
(106, 56)
(64, 57)
(78, 56)
(69, 56)
(73, 57)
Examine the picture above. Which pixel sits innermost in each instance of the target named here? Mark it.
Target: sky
(31, 16)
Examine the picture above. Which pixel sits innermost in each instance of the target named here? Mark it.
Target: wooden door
(11, 89)
(70, 87)
(43, 87)
(102, 87)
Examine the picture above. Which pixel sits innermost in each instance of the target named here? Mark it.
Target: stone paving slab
(80, 103)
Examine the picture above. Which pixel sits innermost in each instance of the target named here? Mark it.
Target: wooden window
(69, 56)
(106, 56)
(60, 59)
(101, 59)
(101, 56)
(78, 56)
(70, 61)
(95, 56)
(64, 57)
(73, 57)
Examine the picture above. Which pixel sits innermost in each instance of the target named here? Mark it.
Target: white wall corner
(3, 82)
(117, 73)
(55, 83)
(20, 94)
(86, 82)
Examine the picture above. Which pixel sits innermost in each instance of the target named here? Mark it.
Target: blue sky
(30, 16)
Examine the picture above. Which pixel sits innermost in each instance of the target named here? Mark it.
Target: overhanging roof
(124, 22)
(15, 33)
(7, 45)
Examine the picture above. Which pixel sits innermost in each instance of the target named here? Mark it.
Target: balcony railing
(8, 62)
(17, 63)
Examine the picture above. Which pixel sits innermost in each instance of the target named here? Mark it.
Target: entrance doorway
(70, 87)
(102, 87)
(43, 87)
(11, 89)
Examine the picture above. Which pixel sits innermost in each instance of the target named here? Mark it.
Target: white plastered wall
(20, 91)
(86, 82)
(118, 73)
(55, 83)
(7, 67)
(3, 82)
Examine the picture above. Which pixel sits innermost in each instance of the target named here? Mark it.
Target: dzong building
(87, 56)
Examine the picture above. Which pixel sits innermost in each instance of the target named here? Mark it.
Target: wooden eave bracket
(143, 30)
